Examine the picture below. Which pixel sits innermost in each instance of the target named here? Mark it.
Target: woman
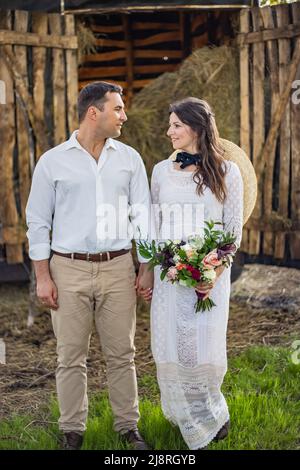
(190, 349)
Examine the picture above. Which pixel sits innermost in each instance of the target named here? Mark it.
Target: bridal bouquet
(188, 263)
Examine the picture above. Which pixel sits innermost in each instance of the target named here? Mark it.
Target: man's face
(111, 118)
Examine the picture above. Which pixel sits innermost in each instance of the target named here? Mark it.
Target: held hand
(47, 293)
(144, 282)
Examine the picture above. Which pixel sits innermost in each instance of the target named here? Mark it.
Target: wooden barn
(53, 48)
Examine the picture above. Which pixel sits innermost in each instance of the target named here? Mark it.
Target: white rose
(210, 274)
(187, 247)
(196, 241)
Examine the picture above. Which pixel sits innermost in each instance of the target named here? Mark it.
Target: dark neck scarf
(187, 159)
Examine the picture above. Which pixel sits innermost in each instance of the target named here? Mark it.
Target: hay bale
(210, 73)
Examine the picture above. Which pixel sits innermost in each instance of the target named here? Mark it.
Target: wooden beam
(258, 131)
(284, 49)
(185, 34)
(102, 72)
(102, 42)
(295, 152)
(71, 78)
(245, 105)
(104, 56)
(274, 225)
(146, 25)
(8, 208)
(21, 24)
(106, 29)
(40, 27)
(157, 39)
(288, 32)
(31, 39)
(59, 84)
(156, 53)
(129, 57)
(272, 51)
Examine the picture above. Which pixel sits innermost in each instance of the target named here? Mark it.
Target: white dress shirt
(90, 206)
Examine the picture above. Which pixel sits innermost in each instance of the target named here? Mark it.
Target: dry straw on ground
(210, 73)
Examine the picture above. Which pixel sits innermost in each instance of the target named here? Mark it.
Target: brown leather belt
(97, 257)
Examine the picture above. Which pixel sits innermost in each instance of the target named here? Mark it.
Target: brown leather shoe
(135, 439)
(223, 432)
(72, 440)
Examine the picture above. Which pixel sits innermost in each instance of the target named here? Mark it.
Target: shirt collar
(73, 142)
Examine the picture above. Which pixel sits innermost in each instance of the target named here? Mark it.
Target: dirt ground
(27, 380)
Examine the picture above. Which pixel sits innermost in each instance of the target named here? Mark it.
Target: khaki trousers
(104, 291)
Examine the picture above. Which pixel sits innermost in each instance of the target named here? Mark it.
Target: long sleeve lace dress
(190, 349)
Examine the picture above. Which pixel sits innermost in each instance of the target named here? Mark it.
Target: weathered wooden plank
(295, 151)
(71, 78)
(129, 58)
(101, 28)
(268, 21)
(156, 53)
(104, 56)
(40, 27)
(157, 39)
(102, 72)
(185, 34)
(244, 100)
(105, 72)
(102, 42)
(138, 54)
(288, 32)
(21, 24)
(8, 210)
(258, 131)
(284, 49)
(147, 25)
(39, 128)
(274, 224)
(58, 78)
(136, 83)
(32, 39)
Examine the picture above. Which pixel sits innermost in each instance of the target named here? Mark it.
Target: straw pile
(209, 73)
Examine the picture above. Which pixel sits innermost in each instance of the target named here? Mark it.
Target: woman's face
(181, 135)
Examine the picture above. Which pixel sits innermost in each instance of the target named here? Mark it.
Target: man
(91, 273)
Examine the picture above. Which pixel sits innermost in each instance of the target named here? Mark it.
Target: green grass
(262, 392)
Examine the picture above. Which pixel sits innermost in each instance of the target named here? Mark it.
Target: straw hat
(234, 153)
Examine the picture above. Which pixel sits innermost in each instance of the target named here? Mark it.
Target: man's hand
(46, 290)
(144, 282)
(47, 293)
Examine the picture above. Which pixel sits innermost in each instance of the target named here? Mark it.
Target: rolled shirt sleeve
(39, 212)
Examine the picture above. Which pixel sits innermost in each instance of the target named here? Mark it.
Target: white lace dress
(190, 349)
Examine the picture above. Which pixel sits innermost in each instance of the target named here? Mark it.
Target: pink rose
(172, 273)
(211, 260)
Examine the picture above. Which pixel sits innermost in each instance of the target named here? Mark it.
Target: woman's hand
(206, 287)
(144, 282)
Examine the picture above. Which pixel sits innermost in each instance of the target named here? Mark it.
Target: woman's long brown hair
(211, 170)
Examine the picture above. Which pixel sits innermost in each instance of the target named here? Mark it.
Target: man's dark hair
(93, 94)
